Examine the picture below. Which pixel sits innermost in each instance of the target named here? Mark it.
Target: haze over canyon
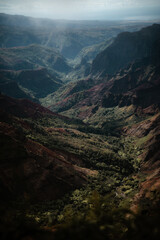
(80, 120)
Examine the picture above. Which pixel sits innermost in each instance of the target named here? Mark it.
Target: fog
(84, 9)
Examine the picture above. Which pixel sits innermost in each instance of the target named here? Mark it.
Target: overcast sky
(83, 9)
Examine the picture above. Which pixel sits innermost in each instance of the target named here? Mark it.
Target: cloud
(69, 8)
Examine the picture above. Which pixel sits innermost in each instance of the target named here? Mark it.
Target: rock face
(127, 48)
(30, 170)
(32, 166)
(133, 62)
(149, 130)
(137, 85)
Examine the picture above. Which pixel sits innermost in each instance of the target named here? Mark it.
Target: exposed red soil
(150, 165)
(27, 168)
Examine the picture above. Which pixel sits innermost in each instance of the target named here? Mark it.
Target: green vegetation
(103, 220)
(114, 159)
(98, 218)
(91, 172)
(100, 206)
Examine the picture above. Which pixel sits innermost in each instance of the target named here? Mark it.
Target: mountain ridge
(92, 148)
(32, 162)
(127, 47)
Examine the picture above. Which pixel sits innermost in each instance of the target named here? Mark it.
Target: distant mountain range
(68, 37)
(34, 68)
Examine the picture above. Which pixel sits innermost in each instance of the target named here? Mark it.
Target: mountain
(34, 70)
(87, 161)
(137, 85)
(31, 57)
(131, 85)
(68, 37)
(82, 62)
(45, 155)
(126, 103)
(30, 168)
(34, 82)
(147, 134)
(127, 48)
(89, 53)
(11, 87)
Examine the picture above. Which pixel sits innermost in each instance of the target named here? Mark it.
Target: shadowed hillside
(39, 170)
(86, 164)
(34, 69)
(127, 48)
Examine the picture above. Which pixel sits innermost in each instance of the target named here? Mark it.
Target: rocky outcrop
(126, 48)
(149, 131)
(138, 85)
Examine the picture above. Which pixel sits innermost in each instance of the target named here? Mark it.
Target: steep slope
(66, 91)
(29, 83)
(136, 85)
(126, 87)
(29, 169)
(82, 62)
(147, 138)
(112, 147)
(127, 48)
(33, 70)
(68, 37)
(89, 53)
(31, 57)
(46, 155)
(10, 87)
(126, 104)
